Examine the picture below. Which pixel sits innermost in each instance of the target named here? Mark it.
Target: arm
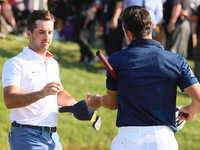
(190, 111)
(192, 18)
(117, 13)
(14, 99)
(64, 98)
(176, 9)
(109, 100)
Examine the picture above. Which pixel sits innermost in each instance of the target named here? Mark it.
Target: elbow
(8, 106)
(114, 107)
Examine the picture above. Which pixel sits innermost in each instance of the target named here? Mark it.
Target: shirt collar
(145, 42)
(31, 53)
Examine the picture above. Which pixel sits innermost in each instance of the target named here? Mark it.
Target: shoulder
(54, 61)
(13, 60)
(174, 57)
(118, 58)
(17, 61)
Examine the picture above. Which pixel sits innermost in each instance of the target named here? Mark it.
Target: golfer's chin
(45, 47)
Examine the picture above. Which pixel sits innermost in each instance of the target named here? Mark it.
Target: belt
(144, 129)
(48, 129)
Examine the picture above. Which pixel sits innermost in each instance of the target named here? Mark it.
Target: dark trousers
(113, 38)
(82, 24)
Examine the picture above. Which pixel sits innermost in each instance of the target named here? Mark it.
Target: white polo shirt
(28, 71)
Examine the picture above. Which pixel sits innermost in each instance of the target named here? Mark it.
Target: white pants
(145, 138)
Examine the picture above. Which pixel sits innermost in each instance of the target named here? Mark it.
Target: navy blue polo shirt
(147, 79)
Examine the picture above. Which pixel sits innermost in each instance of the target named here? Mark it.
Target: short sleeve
(187, 77)
(111, 83)
(11, 73)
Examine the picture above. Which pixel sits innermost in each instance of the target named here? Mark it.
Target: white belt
(143, 129)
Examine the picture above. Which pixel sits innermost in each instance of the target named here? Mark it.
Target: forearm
(195, 106)
(99, 101)
(192, 18)
(64, 99)
(104, 101)
(109, 101)
(118, 10)
(18, 100)
(15, 99)
(194, 92)
(175, 13)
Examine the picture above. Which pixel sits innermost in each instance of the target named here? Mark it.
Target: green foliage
(79, 79)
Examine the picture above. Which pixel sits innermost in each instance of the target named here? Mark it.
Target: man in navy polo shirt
(146, 87)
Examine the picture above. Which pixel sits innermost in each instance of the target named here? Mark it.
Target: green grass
(79, 79)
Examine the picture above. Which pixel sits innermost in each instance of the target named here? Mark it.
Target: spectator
(155, 8)
(7, 13)
(85, 16)
(21, 13)
(1, 34)
(63, 26)
(177, 28)
(128, 3)
(113, 34)
(37, 4)
(195, 18)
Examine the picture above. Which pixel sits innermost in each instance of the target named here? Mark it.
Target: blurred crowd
(13, 14)
(175, 25)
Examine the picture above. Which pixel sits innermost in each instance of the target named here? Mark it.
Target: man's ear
(130, 35)
(28, 33)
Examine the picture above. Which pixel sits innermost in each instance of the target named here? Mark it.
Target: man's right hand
(93, 101)
(187, 113)
(51, 88)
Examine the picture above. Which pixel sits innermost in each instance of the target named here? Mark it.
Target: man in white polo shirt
(32, 89)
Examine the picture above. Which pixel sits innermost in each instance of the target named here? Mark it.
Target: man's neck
(148, 37)
(41, 53)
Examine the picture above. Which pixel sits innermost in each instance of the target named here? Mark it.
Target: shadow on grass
(6, 53)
